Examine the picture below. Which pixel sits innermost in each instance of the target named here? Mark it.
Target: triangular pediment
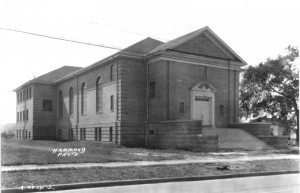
(202, 42)
(204, 87)
(203, 46)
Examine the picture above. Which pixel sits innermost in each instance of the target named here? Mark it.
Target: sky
(255, 30)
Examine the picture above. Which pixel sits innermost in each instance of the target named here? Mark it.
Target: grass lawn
(97, 174)
(20, 152)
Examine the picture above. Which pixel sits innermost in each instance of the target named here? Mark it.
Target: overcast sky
(255, 30)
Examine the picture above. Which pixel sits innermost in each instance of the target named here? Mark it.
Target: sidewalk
(146, 163)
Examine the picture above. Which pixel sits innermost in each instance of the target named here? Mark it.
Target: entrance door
(202, 109)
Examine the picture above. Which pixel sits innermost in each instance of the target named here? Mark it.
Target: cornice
(197, 60)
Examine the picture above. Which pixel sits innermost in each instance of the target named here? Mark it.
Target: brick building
(135, 95)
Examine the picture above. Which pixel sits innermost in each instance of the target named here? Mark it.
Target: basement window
(110, 134)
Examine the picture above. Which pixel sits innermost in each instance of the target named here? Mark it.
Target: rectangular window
(112, 102)
(29, 135)
(181, 107)
(30, 95)
(98, 133)
(24, 96)
(152, 89)
(222, 110)
(24, 116)
(70, 133)
(18, 99)
(199, 98)
(151, 132)
(112, 72)
(27, 94)
(21, 116)
(47, 105)
(27, 115)
(110, 134)
(26, 134)
(82, 134)
(17, 117)
(21, 97)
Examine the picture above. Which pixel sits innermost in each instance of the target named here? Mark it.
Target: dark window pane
(60, 104)
(47, 105)
(152, 90)
(112, 102)
(71, 101)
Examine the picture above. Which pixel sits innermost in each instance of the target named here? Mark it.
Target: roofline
(195, 34)
(97, 64)
(241, 59)
(122, 52)
(194, 59)
(32, 82)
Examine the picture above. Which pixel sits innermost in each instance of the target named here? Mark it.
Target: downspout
(77, 111)
(57, 118)
(228, 92)
(117, 106)
(234, 95)
(168, 90)
(147, 97)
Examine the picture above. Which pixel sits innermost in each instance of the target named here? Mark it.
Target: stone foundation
(183, 134)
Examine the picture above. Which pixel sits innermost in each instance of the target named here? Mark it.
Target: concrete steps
(233, 138)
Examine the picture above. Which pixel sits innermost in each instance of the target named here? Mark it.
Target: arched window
(60, 104)
(99, 96)
(71, 101)
(83, 98)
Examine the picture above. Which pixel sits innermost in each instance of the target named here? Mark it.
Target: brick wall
(132, 101)
(40, 123)
(44, 121)
(174, 81)
(91, 118)
(25, 125)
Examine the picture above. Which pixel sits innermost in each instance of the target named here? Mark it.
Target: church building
(137, 95)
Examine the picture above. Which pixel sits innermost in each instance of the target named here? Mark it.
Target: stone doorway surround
(205, 90)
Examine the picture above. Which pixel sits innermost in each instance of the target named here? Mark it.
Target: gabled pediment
(202, 42)
(202, 45)
(204, 87)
